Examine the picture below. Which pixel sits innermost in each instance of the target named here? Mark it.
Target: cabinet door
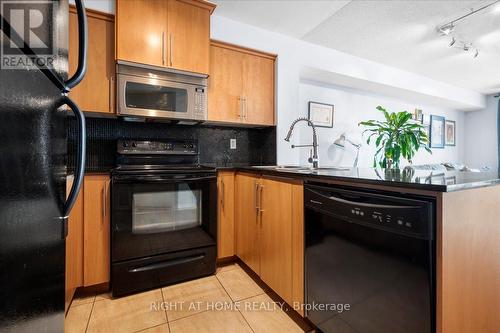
(276, 236)
(258, 89)
(141, 28)
(74, 247)
(247, 223)
(96, 230)
(298, 245)
(225, 84)
(188, 36)
(225, 238)
(96, 91)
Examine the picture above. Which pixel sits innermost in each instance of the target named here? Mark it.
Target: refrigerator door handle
(82, 48)
(80, 155)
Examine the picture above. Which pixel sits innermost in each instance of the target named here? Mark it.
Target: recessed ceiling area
(398, 33)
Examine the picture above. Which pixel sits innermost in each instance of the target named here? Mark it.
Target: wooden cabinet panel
(276, 236)
(225, 84)
(141, 31)
(247, 223)
(96, 236)
(188, 36)
(241, 85)
(96, 91)
(258, 88)
(225, 237)
(298, 246)
(270, 232)
(74, 247)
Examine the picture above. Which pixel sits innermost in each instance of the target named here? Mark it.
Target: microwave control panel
(200, 101)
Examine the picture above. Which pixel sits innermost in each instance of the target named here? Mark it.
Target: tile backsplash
(253, 146)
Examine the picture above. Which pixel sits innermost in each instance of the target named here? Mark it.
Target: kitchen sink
(332, 169)
(299, 168)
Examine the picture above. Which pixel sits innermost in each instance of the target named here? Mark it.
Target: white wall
(353, 106)
(107, 6)
(298, 59)
(481, 133)
(295, 55)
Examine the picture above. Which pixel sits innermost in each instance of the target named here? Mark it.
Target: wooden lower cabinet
(74, 247)
(88, 240)
(247, 222)
(225, 230)
(96, 244)
(269, 232)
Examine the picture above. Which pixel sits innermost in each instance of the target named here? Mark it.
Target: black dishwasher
(369, 261)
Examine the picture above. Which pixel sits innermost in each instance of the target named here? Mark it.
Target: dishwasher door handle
(359, 204)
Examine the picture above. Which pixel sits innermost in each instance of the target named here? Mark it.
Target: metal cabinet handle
(240, 104)
(255, 194)
(261, 188)
(111, 94)
(103, 197)
(163, 48)
(222, 193)
(245, 108)
(171, 49)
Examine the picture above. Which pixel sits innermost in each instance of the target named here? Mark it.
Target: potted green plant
(399, 136)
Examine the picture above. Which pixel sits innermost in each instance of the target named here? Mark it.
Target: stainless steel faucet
(314, 158)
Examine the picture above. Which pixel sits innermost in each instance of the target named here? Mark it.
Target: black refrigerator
(34, 204)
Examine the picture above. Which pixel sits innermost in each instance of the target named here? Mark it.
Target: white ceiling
(399, 33)
(289, 17)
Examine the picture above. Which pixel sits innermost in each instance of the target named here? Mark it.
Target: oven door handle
(150, 179)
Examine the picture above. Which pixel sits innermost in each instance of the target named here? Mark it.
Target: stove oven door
(154, 215)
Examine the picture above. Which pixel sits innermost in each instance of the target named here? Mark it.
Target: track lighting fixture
(448, 29)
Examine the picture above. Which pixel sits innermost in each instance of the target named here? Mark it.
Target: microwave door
(150, 97)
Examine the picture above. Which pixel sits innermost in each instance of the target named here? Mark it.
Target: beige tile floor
(229, 301)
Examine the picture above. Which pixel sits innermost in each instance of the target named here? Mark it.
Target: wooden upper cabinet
(225, 84)
(166, 33)
(188, 35)
(241, 86)
(141, 31)
(258, 88)
(96, 235)
(96, 91)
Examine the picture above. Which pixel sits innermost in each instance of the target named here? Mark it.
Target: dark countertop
(427, 180)
(436, 181)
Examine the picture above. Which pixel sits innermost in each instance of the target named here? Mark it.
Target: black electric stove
(164, 215)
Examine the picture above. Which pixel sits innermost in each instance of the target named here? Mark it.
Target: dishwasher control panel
(398, 214)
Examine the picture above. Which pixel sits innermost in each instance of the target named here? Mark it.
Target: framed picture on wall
(425, 119)
(321, 114)
(450, 132)
(437, 132)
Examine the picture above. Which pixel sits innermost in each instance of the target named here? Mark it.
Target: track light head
(446, 29)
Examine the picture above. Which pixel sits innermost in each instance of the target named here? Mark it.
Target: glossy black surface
(164, 215)
(32, 196)
(383, 271)
(424, 180)
(254, 146)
